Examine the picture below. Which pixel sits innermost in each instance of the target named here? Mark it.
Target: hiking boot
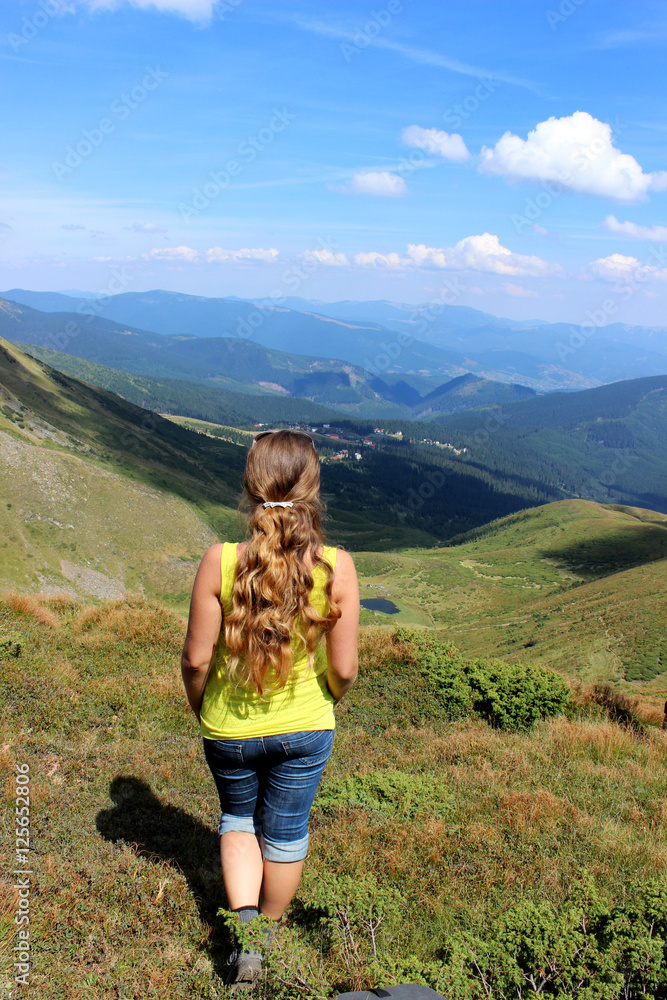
(245, 967)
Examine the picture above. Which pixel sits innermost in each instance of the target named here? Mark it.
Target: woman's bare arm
(342, 655)
(203, 628)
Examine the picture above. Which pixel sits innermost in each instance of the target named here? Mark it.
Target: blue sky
(510, 157)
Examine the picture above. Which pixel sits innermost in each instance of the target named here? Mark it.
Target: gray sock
(247, 913)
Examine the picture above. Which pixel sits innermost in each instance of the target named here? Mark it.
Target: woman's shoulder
(345, 573)
(212, 555)
(344, 560)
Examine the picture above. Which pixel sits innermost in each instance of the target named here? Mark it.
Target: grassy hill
(443, 851)
(102, 498)
(47, 409)
(575, 585)
(244, 405)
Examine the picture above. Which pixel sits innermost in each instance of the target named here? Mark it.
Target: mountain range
(392, 341)
(243, 365)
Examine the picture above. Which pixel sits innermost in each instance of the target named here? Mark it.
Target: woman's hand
(204, 626)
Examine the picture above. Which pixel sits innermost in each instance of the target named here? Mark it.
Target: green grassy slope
(60, 411)
(367, 499)
(436, 846)
(242, 404)
(607, 443)
(101, 497)
(575, 585)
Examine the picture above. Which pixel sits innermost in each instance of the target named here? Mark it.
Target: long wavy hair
(271, 595)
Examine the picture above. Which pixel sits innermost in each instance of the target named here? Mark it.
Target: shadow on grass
(612, 552)
(165, 832)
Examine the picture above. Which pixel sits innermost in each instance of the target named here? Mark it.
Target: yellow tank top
(305, 704)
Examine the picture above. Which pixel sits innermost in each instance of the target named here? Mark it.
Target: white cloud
(540, 230)
(377, 182)
(576, 151)
(518, 291)
(193, 10)
(373, 259)
(480, 253)
(145, 227)
(220, 256)
(618, 268)
(656, 234)
(113, 260)
(474, 253)
(450, 147)
(326, 257)
(72, 226)
(172, 253)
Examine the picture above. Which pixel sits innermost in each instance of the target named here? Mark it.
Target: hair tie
(278, 503)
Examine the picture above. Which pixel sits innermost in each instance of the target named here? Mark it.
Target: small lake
(380, 604)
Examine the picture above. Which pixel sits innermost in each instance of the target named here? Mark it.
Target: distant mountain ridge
(395, 339)
(229, 363)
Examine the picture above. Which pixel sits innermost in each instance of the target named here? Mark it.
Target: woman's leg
(289, 788)
(242, 868)
(238, 788)
(280, 882)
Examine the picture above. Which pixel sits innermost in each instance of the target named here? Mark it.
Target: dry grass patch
(526, 811)
(579, 737)
(131, 622)
(32, 606)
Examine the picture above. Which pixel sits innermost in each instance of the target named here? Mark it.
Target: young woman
(260, 680)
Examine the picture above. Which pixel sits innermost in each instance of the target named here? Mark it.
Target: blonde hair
(271, 594)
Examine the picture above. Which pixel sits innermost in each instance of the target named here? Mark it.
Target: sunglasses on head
(263, 434)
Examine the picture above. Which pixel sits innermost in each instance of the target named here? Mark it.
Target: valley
(103, 500)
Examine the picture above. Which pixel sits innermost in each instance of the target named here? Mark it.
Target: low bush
(11, 643)
(508, 696)
(585, 949)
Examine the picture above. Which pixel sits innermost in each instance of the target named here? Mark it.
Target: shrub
(585, 949)
(11, 643)
(508, 696)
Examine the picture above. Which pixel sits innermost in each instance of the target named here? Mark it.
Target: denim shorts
(267, 785)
